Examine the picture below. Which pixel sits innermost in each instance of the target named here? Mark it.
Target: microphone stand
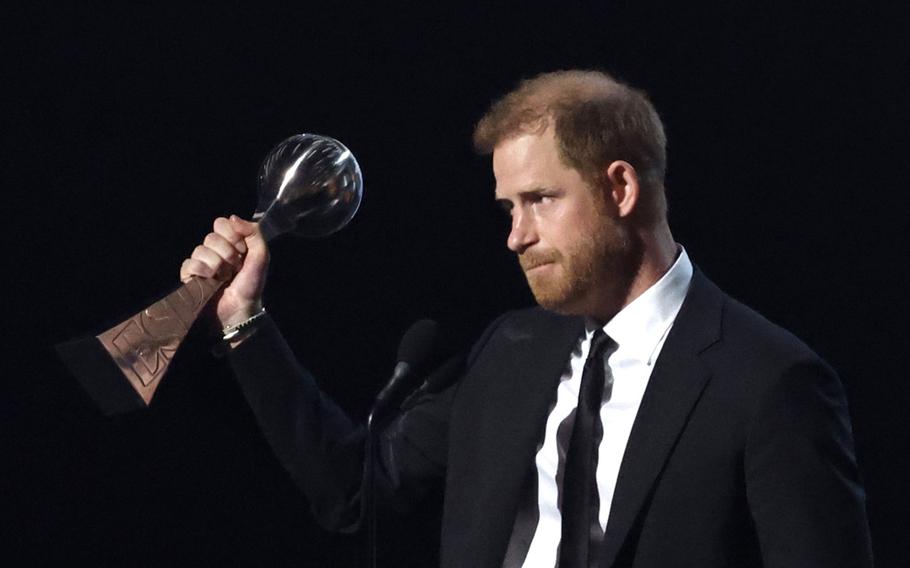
(414, 350)
(374, 427)
(376, 421)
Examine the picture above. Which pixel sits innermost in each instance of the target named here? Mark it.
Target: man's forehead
(526, 154)
(523, 150)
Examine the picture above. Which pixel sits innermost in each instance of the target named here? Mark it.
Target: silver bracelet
(232, 331)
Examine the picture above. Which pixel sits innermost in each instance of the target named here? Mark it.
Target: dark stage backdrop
(128, 128)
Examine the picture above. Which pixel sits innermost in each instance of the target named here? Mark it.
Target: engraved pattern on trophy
(143, 346)
(309, 185)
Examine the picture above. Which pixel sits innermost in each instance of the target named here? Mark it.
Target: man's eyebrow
(534, 189)
(506, 202)
(535, 192)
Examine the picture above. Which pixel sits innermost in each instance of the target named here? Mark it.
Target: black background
(128, 128)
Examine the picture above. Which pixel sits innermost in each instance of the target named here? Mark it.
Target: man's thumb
(245, 228)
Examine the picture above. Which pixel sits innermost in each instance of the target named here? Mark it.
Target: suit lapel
(509, 392)
(675, 385)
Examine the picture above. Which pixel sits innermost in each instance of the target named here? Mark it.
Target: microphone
(413, 353)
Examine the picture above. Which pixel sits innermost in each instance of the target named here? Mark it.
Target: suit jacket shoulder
(741, 452)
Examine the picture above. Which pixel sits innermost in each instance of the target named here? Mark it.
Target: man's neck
(659, 251)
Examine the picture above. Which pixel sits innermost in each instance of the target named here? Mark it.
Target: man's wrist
(237, 330)
(241, 314)
(235, 334)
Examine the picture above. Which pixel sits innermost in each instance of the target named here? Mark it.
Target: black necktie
(579, 509)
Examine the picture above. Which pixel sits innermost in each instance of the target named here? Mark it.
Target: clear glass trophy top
(309, 185)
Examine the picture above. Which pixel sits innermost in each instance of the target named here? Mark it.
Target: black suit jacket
(741, 453)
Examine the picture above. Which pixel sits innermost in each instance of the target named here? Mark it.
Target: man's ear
(623, 187)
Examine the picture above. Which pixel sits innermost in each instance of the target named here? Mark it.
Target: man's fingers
(219, 266)
(223, 227)
(223, 248)
(194, 267)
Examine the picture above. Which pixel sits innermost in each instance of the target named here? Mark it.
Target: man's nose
(523, 233)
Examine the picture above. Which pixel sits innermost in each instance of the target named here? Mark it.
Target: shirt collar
(641, 326)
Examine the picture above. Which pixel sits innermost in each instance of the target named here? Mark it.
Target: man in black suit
(641, 418)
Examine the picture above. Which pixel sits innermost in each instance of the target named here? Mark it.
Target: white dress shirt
(639, 330)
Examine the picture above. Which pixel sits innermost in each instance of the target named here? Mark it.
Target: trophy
(309, 185)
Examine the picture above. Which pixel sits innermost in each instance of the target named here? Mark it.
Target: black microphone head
(414, 352)
(418, 342)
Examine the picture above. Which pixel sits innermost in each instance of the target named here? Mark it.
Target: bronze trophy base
(140, 349)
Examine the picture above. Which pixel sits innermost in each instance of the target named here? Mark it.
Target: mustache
(529, 260)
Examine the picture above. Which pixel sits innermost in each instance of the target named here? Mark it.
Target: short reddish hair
(597, 120)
